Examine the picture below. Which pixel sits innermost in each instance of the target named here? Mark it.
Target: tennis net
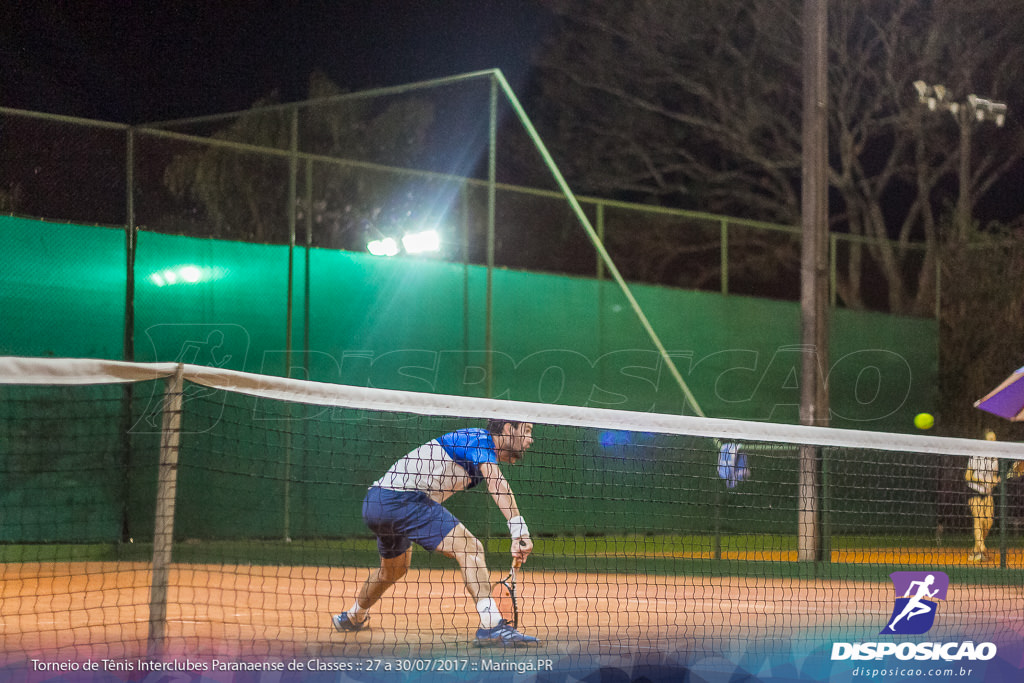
(164, 510)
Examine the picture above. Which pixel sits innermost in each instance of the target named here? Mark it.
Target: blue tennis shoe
(343, 623)
(503, 635)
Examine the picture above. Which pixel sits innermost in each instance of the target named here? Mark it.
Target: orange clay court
(101, 610)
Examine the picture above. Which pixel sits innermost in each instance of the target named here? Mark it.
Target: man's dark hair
(494, 426)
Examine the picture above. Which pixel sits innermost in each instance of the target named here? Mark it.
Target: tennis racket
(505, 593)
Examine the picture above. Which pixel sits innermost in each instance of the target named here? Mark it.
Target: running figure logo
(916, 601)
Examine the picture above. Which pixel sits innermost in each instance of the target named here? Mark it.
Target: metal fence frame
(301, 162)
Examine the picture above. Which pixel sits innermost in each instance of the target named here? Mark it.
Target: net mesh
(652, 533)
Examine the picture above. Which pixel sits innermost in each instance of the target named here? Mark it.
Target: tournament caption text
(397, 665)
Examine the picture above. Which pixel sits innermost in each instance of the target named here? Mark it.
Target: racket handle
(516, 561)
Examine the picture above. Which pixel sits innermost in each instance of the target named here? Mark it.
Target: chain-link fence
(349, 170)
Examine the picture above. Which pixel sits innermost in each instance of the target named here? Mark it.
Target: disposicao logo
(913, 613)
(916, 601)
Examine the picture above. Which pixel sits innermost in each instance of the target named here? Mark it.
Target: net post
(808, 530)
(163, 531)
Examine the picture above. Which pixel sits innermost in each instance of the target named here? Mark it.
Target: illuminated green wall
(421, 325)
(62, 289)
(401, 324)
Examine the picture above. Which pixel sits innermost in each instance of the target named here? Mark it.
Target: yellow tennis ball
(924, 421)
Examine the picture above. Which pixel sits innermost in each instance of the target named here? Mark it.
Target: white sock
(489, 614)
(357, 614)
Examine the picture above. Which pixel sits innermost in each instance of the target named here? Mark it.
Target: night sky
(139, 61)
(134, 62)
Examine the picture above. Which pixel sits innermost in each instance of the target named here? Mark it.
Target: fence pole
(1004, 510)
(293, 172)
(492, 179)
(723, 232)
(128, 323)
(130, 234)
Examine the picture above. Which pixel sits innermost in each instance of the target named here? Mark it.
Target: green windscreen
(422, 325)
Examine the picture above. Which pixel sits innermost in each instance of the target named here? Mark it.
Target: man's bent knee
(473, 552)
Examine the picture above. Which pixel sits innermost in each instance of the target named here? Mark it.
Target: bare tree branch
(696, 104)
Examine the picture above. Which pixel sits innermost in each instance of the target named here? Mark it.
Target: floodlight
(421, 242)
(978, 108)
(999, 112)
(190, 274)
(383, 247)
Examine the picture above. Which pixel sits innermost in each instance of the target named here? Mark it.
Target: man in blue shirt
(405, 506)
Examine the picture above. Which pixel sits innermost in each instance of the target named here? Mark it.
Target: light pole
(812, 516)
(971, 110)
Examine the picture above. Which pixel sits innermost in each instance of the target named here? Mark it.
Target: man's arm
(503, 497)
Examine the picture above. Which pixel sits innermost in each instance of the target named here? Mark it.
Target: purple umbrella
(1006, 400)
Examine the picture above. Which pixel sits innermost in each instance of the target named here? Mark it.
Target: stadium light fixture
(973, 110)
(930, 95)
(987, 110)
(421, 242)
(190, 274)
(973, 107)
(383, 247)
(185, 275)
